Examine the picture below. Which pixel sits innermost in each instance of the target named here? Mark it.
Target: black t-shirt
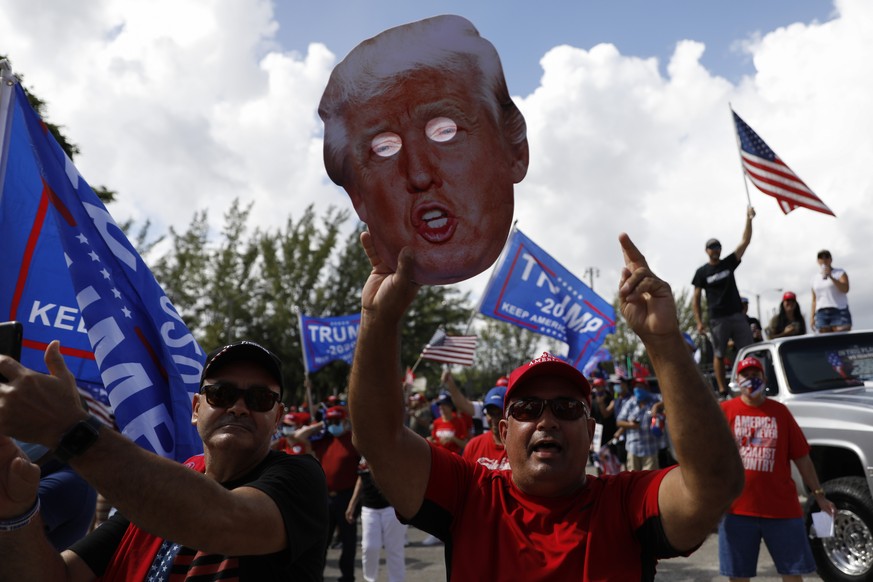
(371, 496)
(722, 296)
(295, 482)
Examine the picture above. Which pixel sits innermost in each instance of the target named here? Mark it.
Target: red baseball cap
(335, 412)
(750, 362)
(641, 381)
(789, 295)
(502, 381)
(598, 382)
(548, 365)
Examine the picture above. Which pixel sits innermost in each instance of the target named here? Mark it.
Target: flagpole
(302, 343)
(7, 90)
(421, 353)
(740, 154)
(494, 269)
(417, 362)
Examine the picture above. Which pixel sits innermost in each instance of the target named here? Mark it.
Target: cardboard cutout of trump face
(421, 132)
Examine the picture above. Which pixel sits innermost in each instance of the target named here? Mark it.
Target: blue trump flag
(69, 273)
(532, 290)
(325, 339)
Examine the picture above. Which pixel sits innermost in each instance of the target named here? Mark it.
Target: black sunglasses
(224, 394)
(564, 408)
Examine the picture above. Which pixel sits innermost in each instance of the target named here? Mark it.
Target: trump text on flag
(534, 291)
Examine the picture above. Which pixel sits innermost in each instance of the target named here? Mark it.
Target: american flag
(771, 175)
(102, 410)
(450, 349)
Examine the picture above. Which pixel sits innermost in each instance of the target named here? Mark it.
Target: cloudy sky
(181, 105)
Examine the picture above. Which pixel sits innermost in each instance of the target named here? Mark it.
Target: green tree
(295, 262)
(255, 284)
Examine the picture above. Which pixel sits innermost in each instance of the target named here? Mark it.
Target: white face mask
(752, 387)
(336, 429)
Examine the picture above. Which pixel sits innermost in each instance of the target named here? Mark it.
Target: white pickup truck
(827, 382)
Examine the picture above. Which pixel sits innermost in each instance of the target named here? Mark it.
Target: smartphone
(11, 333)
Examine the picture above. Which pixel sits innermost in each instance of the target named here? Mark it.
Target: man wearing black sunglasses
(244, 511)
(544, 518)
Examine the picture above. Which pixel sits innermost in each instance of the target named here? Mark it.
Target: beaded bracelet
(20, 521)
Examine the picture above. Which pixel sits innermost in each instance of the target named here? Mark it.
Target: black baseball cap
(248, 351)
(713, 242)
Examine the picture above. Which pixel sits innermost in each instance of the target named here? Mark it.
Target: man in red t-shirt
(487, 448)
(448, 430)
(339, 459)
(768, 438)
(545, 518)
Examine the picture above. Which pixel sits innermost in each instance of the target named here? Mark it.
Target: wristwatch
(78, 439)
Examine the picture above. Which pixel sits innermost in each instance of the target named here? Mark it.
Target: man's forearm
(695, 307)
(461, 402)
(705, 449)
(374, 386)
(167, 498)
(398, 458)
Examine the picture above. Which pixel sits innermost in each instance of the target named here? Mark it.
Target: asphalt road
(425, 564)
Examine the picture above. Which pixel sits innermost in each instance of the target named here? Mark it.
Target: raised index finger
(633, 258)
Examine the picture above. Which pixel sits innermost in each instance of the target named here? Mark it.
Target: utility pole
(592, 272)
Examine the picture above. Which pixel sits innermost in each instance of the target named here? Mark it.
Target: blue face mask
(336, 429)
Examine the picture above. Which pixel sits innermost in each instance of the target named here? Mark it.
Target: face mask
(336, 429)
(752, 387)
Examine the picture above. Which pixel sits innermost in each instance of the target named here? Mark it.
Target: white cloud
(182, 105)
(616, 146)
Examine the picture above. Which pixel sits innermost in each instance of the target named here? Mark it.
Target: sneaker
(431, 541)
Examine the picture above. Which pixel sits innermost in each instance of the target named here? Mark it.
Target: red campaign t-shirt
(769, 439)
(339, 459)
(453, 427)
(483, 450)
(609, 530)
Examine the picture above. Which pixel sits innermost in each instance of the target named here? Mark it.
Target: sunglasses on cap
(714, 247)
(563, 407)
(258, 398)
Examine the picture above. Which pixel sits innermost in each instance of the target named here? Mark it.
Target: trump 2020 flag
(771, 175)
(532, 290)
(325, 339)
(69, 273)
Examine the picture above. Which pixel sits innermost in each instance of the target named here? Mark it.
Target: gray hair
(448, 44)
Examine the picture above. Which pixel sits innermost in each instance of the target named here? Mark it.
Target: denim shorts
(739, 539)
(832, 317)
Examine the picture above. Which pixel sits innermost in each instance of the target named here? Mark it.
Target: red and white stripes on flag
(771, 175)
(102, 411)
(451, 349)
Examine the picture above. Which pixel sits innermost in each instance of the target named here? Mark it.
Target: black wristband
(78, 439)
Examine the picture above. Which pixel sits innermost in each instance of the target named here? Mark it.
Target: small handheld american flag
(451, 349)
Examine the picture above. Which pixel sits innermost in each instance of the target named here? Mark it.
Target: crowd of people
(503, 481)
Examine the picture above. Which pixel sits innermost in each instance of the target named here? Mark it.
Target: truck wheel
(848, 556)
